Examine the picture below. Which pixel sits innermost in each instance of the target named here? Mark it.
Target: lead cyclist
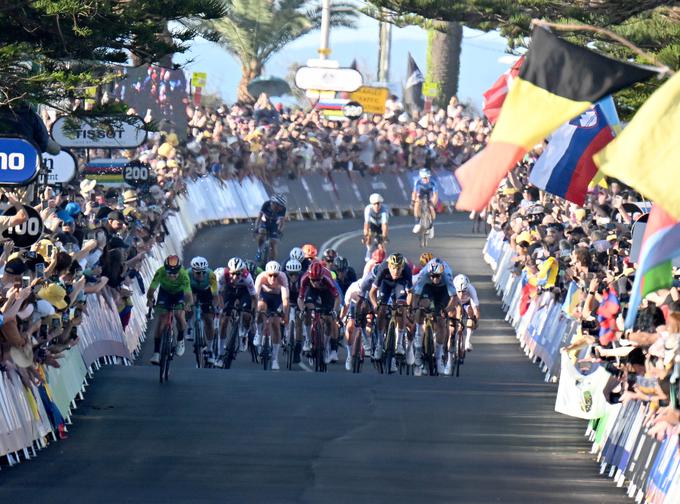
(425, 188)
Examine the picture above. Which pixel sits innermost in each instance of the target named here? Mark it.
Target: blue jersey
(269, 215)
(423, 278)
(425, 190)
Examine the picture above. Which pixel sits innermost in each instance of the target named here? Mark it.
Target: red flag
(495, 96)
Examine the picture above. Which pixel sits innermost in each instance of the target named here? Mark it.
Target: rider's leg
(163, 318)
(259, 322)
(275, 331)
(181, 324)
(208, 325)
(416, 215)
(470, 327)
(306, 321)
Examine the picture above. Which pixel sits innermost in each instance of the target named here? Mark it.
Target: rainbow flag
(660, 245)
(558, 81)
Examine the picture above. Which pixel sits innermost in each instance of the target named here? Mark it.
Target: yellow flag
(646, 155)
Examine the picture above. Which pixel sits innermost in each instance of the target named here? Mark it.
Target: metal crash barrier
(648, 468)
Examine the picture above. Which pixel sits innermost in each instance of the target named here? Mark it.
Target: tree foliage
(254, 30)
(51, 49)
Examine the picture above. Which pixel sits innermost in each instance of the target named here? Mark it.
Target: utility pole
(384, 51)
(324, 50)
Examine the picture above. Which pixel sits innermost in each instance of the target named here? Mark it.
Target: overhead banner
(61, 169)
(19, 161)
(99, 132)
(372, 99)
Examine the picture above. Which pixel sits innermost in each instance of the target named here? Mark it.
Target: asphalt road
(246, 435)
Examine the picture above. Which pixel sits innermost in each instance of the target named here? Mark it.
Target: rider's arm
(373, 295)
(435, 193)
(383, 223)
(304, 283)
(258, 284)
(367, 213)
(474, 299)
(155, 282)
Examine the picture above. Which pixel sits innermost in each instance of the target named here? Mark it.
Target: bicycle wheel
(232, 344)
(357, 350)
(266, 351)
(317, 347)
(291, 343)
(199, 338)
(390, 342)
(428, 350)
(375, 343)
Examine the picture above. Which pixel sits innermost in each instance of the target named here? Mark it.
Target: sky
(480, 65)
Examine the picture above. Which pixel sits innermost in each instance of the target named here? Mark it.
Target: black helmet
(341, 264)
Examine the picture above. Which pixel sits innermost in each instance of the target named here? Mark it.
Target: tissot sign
(110, 132)
(19, 161)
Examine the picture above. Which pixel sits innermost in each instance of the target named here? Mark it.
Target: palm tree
(443, 62)
(254, 30)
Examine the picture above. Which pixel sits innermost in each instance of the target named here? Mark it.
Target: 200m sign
(136, 173)
(27, 233)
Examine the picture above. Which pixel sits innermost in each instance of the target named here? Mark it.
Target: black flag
(413, 90)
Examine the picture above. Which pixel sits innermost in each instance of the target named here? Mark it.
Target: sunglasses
(435, 276)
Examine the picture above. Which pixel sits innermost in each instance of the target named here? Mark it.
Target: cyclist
(377, 257)
(235, 284)
(204, 289)
(433, 286)
(328, 257)
(344, 273)
(376, 218)
(310, 253)
(294, 274)
(271, 287)
(392, 284)
(270, 225)
(174, 292)
(424, 258)
(425, 188)
(318, 290)
(295, 253)
(467, 296)
(349, 313)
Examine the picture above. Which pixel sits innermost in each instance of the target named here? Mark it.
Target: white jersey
(376, 218)
(469, 296)
(353, 292)
(225, 280)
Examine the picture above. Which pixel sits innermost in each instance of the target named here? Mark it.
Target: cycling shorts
(273, 301)
(375, 229)
(391, 293)
(167, 300)
(438, 294)
(269, 228)
(322, 299)
(205, 298)
(238, 295)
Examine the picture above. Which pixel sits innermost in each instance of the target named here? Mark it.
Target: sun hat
(55, 295)
(129, 196)
(87, 186)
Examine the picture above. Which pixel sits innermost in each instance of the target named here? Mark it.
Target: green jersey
(180, 283)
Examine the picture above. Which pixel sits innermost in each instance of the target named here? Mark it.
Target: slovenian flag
(660, 245)
(566, 166)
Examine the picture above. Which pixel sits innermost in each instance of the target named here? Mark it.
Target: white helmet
(199, 263)
(424, 173)
(279, 198)
(272, 267)
(293, 266)
(297, 254)
(375, 198)
(461, 283)
(236, 264)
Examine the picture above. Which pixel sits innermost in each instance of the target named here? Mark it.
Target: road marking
(305, 367)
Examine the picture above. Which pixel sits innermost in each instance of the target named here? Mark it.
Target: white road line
(305, 367)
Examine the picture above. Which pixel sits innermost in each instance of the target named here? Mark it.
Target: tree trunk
(248, 73)
(443, 63)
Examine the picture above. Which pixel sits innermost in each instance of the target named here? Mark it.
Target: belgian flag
(557, 82)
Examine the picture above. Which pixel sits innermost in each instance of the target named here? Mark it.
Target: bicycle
(319, 342)
(429, 359)
(266, 348)
(357, 350)
(289, 334)
(233, 329)
(168, 343)
(456, 342)
(199, 336)
(373, 242)
(425, 221)
(390, 339)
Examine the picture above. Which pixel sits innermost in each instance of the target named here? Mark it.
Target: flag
(557, 81)
(660, 245)
(495, 95)
(606, 316)
(646, 155)
(573, 300)
(566, 166)
(413, 90)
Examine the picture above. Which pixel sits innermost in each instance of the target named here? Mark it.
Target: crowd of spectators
(582, 256)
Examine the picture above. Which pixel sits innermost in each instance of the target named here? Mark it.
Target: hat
(55, 295)
(72, 209)
(45, 309)
(87, 186)
(172, 163)
(15, 267)
(115, 215)
(580, 214)
(41, 247)
(165, 150)
(129, 196)
(172, 139)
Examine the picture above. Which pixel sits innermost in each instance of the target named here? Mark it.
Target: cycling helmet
(461, 283)
(236, 265)
(199, 263)
(396, 260)
(378, 255)
(424, 173)
(329, 255)
(251, 266)
(293, 266)
(316, 271)
(375, 198)
(436, 268)
(172, 264)
(296, 253)
(425, 258)
(279, 198)
(341, 264)
(272, 267)
(309, 250)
